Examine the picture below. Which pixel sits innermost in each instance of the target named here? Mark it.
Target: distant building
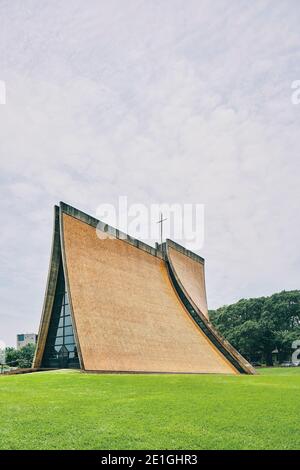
(26, 338)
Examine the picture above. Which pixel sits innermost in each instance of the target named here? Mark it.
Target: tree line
(21, 358)
(258, 327)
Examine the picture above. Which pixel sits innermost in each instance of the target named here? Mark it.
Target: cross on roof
(160, 221)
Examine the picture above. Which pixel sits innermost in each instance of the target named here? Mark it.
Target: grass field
(71, 410)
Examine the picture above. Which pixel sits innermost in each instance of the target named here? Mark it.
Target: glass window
(68, 321)
(69, 339)
(67, 309)
(68, 330)
(60, 334)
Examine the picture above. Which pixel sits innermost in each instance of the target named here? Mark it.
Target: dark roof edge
(158, 251)
(185, 251)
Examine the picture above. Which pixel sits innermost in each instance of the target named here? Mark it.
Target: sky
(162, 101)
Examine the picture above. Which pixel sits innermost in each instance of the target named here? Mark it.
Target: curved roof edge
(158, 250)
(50, 290)
(204, 323)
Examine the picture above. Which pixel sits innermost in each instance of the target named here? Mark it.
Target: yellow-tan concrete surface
(127, 314)
(191, 275)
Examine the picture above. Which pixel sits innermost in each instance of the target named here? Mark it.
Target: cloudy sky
(162, 101)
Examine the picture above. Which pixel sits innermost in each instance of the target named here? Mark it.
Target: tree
(11, 357)
(22, 358)
(25, 356)
(256, 327)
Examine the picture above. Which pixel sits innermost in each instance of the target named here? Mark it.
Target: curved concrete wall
(127, 315)
(191, 275)
(50, 291)
(225, 348)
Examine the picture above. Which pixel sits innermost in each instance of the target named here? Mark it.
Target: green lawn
(71, 410)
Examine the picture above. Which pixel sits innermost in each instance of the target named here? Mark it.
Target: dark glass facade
(60, 350)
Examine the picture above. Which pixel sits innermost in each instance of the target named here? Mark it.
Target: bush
(22, 358)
